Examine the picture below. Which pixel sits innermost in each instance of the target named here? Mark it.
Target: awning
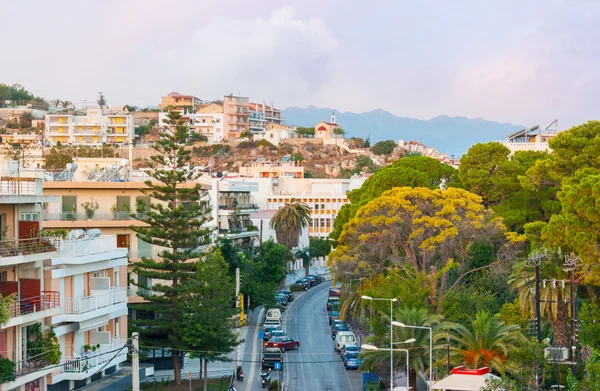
(456, 382)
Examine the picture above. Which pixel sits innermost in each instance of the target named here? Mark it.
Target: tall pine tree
(175, 222)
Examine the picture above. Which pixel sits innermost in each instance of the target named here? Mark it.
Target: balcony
(238, 233)
(33, 309)
(15, 251)
(98, 304)
(226, 210)
(69, 220)
(11, 186)
(81, 367)
(29, 369)
(89, 250)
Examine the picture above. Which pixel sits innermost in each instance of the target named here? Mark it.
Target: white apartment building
(532, 139)
(57, 281)
(208, 124)
(93, 128)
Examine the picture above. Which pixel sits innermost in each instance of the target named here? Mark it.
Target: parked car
(308, 281)
(269, 331)
(313, 280)
(335, 292)
(332, 303)
(270, 357)
(288, 293)
(273, 322)
(277, 333)
(281, 299)
(316, 278)
(342, 338)
(349, 348)
(351, 361)
(337, 327)
(333, 315)
(302, 283)
(283, 343)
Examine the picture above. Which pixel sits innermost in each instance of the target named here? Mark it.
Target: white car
(342, 338)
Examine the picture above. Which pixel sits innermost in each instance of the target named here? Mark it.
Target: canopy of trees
(383, 147)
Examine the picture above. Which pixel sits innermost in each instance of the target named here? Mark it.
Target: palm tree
(306, 254)
(485, 344)
(101, 100)
(289, 221)
(67, 104)
(56, 102)
(419, 350)
(554, 297)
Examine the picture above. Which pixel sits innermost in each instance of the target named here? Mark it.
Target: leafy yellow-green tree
(425, 228)
(289, 221)
(414, 171)
(575, 228)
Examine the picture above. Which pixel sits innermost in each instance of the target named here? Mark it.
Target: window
(322, 206)
(99, 273)
(30, 216)
(116, 276)
(116, 327)
(316, 206)
(3, 276)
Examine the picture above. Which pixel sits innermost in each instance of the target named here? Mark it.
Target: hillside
(453, 135)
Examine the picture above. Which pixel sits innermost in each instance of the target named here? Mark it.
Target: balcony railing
(95, 302)
(135, 291)
(15, 247)
(75, 216)
(240, 207)
(94, 359)
(18, 186)
(30, 305)
(32, 364)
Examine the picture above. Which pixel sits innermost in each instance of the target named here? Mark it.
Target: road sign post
(190, 376)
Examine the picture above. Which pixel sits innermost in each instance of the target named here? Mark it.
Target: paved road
(316, 366)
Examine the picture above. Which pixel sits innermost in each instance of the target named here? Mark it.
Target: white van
(273, 314)
(342, 338)
(272, 322)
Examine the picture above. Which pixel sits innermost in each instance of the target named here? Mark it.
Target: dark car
(316, 278)
(270, 357)
(303, 283)
(283, 343)
(338, 327)
(281, 299)
(333, 303)
(333, 315)
(288, 293)
(310, 280)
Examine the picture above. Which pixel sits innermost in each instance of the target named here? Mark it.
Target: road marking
(254, 349)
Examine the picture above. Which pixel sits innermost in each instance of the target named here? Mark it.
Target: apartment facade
(208, 122)
(262, 115)
(94, 128)
(276, 133)
(263, 168)
(237, 114)
(179, 101)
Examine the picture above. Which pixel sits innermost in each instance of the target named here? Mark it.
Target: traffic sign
(277, 366)
(261, 335)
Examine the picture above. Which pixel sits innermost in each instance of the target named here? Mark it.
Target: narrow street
(316, 365)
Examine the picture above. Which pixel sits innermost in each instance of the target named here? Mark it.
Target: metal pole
(391, 346)
(135, 362)
(536, 271)
(407, 372)
(430, 356)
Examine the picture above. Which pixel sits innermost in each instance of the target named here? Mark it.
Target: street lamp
(392, 301)
(399, 324)
(375, 348)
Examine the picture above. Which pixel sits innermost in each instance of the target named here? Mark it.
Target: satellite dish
(76, 234)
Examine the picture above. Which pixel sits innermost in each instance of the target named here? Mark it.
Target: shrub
(274, 386)
(296, 288)
(265, 143)
(246, 145)
(7, 370)
(383, 147)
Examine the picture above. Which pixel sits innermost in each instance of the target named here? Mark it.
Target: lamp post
(399, 324)
(375, 348)
(392, 301)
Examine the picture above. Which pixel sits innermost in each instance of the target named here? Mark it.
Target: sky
(522, 62)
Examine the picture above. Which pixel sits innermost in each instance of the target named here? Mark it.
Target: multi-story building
(263, 168)
(70, 283)
(532, 139)
(236, 113)
(208, 121)
(93, 128)
(23, 254)
(325, 197)
(275, 134)
(262, 115)
(183, 102)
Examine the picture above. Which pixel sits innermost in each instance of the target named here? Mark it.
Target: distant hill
(453, 135)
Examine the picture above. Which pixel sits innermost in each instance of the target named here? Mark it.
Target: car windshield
(335, 313)
(351, 348)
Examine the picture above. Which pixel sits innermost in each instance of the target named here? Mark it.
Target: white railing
(81, 247)
(88, 362)
(86, 304)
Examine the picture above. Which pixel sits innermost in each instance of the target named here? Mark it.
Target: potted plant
(86, 348)
(90, 207)
(119, 210)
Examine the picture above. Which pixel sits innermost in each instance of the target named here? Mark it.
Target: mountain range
(452, 135)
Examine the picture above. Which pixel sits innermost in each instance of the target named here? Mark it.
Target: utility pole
(569, 263)
(135, 362)
(535, 260)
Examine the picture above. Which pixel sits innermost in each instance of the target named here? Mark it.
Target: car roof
(345, 333)
(352, 345)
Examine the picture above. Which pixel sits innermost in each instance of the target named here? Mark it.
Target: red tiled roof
(322, 128)
(331, 124)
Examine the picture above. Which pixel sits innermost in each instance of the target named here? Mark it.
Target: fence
(18, 186)
(31, 364)
(95, 302)
(36, 245)
(94, 359)
(212, 374)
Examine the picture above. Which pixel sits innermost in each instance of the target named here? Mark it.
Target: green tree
(20, 152)
(56, 102)
(591, 382)
(207, 325)
(67, 104)
(320, 247)
(307, 255)
(274, 261)
(363, 161)
(289, 221)
(305, 132)
(339, 132)
(5, 303)
(15, 92)
(477, 168)
(175, 222)
(56, 160)
(298, 157)
(383, 147)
